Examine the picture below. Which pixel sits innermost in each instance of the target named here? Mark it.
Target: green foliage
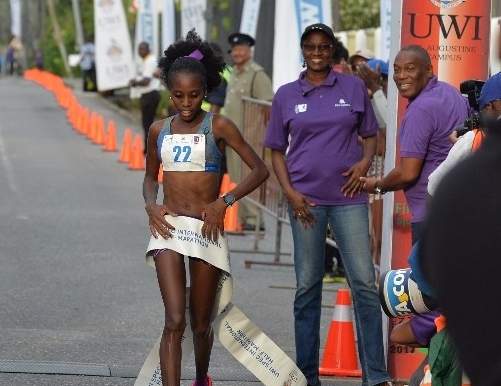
(358, 14)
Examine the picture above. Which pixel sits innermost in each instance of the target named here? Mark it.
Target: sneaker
(208, 382)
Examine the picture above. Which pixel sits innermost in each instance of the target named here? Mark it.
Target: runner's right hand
(157, 222)
(301, 208)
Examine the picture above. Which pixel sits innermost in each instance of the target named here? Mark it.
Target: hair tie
(197, 55)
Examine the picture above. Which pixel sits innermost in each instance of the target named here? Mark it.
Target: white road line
(9, 171)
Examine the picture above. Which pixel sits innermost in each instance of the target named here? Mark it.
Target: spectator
(10, 60)
(314, 131)
(359, 57)
(340, 59)
(374, 73)
(214, 101)
(424, 133)
(88, 65)
(247, 79)
(146, 85)
(39, 62)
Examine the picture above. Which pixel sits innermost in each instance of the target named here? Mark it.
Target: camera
(472, 89)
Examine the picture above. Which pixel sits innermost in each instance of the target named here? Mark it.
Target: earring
(304, 63)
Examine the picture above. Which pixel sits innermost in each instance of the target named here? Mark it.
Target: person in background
(313, 133)
(10, 57)
(214, 101)
(374, 73)
(39, 62)
(424, 132)
(340, 59)
(248, 79)
(88, 65)
(359, 57)
(146, 85)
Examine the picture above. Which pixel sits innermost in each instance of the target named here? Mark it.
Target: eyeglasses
(309, 48)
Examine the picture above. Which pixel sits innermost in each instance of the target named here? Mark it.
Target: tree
(358, 14)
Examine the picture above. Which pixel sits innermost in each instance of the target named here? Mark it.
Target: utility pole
(57, 36)
(78, 25)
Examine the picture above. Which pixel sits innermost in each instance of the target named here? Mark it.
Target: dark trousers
(149, 103)
(89, 80)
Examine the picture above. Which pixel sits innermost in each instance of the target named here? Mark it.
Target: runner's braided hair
(176, 60)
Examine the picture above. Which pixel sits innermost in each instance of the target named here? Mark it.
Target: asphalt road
(73, 283)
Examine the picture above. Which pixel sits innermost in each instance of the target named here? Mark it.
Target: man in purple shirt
(322, 133)
(435, 109)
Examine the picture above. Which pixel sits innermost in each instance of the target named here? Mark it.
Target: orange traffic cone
(110, 143)
(86, 122)
(340, 355)
(161, 174)
(89, 127)
(125, 152)
(231, 223)
(99, 134)
(225, 184)
(137, 159)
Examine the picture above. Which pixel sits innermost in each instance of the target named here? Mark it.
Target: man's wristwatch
(229, 199)
(379, 190)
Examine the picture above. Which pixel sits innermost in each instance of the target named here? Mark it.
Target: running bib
(239, 335)
(183, 153)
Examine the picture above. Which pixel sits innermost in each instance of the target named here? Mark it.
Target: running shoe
(208, 382)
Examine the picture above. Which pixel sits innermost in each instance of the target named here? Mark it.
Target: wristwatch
(379, 190)
(229, 199)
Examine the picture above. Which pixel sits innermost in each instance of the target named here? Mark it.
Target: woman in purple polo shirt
(314, 130)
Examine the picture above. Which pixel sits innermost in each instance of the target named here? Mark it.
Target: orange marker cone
(137, 159)
(125, 152)
(161, 174)
(231, 223)
(89, 127)
(110, 143)
(99, 133)
(225, 184)
(340, 355)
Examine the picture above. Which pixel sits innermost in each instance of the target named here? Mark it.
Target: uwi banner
(456, 35)
(114, 66)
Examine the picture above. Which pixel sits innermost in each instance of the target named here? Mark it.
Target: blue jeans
(350, 225)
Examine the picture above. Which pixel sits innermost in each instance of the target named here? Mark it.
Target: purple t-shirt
(424, 134)
(320, 125)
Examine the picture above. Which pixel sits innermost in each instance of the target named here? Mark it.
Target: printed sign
(114, 66)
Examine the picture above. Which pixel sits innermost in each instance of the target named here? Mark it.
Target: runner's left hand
(354, 185)
(213, 217)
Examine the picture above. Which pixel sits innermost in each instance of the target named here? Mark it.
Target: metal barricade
(268, 197)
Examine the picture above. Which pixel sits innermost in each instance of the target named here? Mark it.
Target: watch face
(229, 199)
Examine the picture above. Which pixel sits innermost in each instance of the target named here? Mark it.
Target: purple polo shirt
(320, 125)
(424, 134)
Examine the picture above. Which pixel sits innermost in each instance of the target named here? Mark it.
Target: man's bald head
(412, 71)
(419, 51)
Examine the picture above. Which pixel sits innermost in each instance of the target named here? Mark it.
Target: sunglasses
(309, 48)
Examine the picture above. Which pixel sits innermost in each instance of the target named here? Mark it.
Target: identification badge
(183, 153)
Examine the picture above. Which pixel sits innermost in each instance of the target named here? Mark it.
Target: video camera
(472, 89)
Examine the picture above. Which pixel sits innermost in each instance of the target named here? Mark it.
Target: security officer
(247, 79)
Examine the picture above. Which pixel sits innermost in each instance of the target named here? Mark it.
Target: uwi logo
(447, 3)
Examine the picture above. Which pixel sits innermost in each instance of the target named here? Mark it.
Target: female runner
(191, 180)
